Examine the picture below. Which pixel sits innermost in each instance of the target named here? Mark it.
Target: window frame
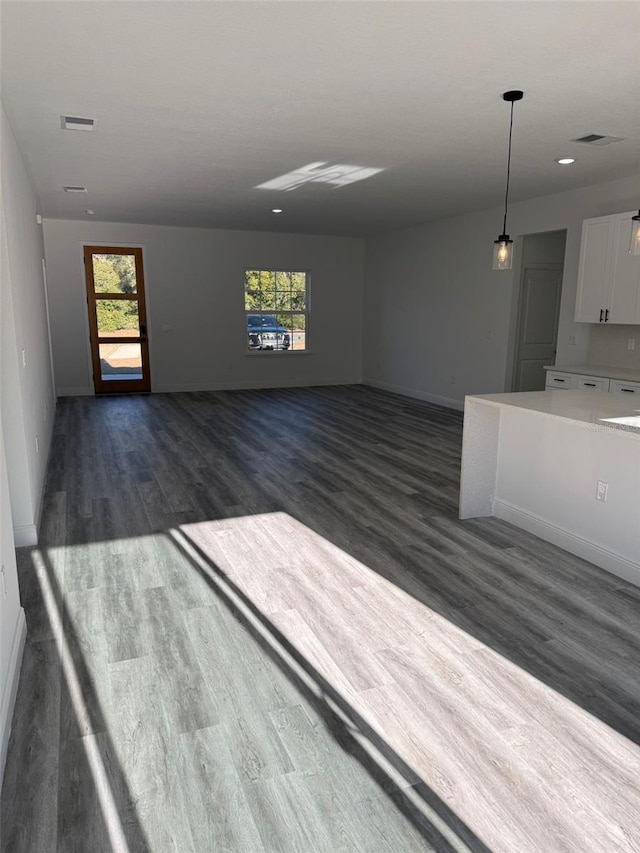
(306, 312)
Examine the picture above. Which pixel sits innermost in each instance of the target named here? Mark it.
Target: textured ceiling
(199, 102)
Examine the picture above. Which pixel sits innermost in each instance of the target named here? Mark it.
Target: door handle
(606, 316)
(601, 313)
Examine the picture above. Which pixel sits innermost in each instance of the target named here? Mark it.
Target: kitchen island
(543, 461)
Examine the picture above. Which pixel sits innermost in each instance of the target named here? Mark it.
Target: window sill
(277, 353)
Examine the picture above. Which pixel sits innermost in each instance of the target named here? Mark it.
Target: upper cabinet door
(594, 271)
(624, 299)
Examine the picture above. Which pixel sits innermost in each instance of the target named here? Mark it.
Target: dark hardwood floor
(256, 624)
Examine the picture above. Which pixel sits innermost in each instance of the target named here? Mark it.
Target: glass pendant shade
(502, 253)
(634, 242)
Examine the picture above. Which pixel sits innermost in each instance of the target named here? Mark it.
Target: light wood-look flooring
(256, 624)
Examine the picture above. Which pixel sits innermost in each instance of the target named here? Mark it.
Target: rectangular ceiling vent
(76, 123)
(598, 139)
(75, 189)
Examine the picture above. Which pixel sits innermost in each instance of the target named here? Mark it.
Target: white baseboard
(182, 387)
(25, 534)
(75, 392)
(436, 399)
(162, 388)
(606, 559)
(10, 687)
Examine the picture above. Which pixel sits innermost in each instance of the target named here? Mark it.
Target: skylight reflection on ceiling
(319, 173)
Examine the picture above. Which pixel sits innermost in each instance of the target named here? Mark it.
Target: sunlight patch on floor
(99, 774)
(422, 696)
(453, 709)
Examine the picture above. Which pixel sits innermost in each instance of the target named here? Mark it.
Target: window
(276, 304)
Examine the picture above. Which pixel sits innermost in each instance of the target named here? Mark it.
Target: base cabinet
(566, 381)
(616, 386)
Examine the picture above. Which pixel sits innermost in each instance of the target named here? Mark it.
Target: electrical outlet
(572, 340)
(631, 344)
(24, 358)
(453, 380)
(602, 490)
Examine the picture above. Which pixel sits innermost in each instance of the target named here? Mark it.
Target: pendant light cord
(506, 195)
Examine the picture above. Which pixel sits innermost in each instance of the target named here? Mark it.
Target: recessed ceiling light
(77, 123)
(276, 210)
(566, 161)
(90, 212)
(75, 189)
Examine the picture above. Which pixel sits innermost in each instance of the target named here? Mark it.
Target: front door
(117, 319)
(537, 325)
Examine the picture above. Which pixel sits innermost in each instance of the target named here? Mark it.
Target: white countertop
(613, 412)
(626, 374)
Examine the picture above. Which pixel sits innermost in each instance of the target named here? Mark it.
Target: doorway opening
(538, 309)
(117, 319)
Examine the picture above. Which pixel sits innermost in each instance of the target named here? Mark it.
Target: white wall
(12, 620)
(437, 318)
(194, 283)
(544, 248)
(609, 345)
(26, 401)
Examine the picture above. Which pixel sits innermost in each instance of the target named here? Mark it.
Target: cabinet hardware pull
(601, 313)
(558, 380)
(590, 384)
(606, 316)
(629, 390)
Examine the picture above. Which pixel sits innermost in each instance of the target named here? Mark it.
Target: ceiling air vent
(75, 189)
(598, 139)
(76, 123)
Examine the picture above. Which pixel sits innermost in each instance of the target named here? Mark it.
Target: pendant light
(503, 246)
(634, 242)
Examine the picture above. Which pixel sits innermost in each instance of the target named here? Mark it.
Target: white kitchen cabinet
(593, 383)
(617, 386)
(563, 381)
(623, 381)
(569, 381)
(608, 276)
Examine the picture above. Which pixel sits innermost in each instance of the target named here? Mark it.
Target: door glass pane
(120, 361)
(117, 318)
(114, 273)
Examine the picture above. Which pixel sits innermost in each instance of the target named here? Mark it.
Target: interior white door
(537, 330)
